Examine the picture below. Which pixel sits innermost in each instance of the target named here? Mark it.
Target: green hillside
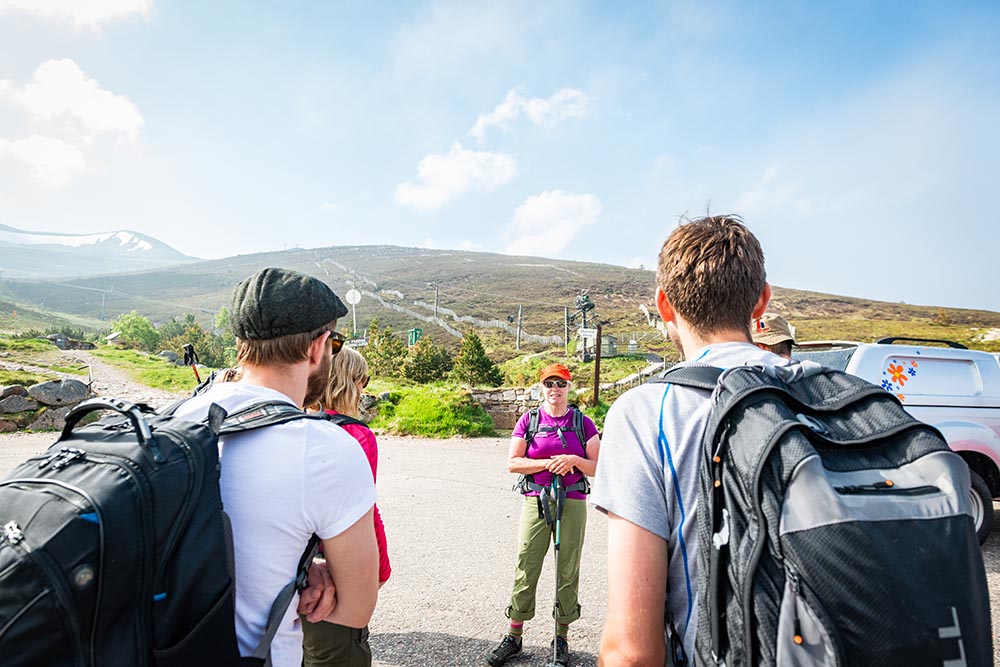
(480, 289)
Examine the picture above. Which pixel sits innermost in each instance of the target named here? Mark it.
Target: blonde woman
(328, 644)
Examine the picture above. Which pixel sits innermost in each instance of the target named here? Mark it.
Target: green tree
(223, 321)
(427, 362)
(385, 353)
(137, 331)
(472, 366)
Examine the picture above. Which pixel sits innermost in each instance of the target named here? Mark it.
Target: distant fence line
(496, 324)
(430, 319)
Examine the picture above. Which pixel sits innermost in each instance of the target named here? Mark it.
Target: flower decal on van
(898, 374)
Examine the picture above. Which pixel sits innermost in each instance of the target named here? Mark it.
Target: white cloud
(331, 207)
(563, 104)
(60, 89)
(548, 222)
(772, 195)
(467, 244)
(640, 263)
(82, 13)
(441, 177)
(53, 162)
(428, 244)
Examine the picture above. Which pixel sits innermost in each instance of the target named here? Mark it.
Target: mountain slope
(51, 255)
(473, 289)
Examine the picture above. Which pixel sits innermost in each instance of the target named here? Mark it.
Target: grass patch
(433, 411)
(149, 370)
(23, 378)
(27, 345)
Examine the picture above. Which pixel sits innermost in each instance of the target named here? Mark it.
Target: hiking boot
(509, 647)
(562, 652)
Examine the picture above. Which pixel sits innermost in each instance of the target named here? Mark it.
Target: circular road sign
(353, 296)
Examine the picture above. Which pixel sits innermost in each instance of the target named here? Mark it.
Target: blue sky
(859, 140)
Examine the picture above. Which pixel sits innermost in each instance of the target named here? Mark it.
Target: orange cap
(555, 370)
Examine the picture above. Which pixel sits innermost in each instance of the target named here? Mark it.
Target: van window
(832, 358)
(919, 375)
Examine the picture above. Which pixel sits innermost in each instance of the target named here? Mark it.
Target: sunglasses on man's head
(555, 383)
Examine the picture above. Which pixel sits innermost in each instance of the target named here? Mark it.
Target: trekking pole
(191, 359)
(559, 495)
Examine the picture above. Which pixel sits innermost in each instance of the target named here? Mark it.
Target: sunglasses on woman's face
(555, 383)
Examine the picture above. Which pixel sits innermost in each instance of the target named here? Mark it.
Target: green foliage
(473, 367)
(597, 413)
(385, 353)
(150, 370)
(23, 378)
(137, 331)
(32, 344)
(434, 411)
(223, 321)
(427, 362)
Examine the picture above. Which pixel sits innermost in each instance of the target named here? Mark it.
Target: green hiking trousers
(533, 538)
(332, 645)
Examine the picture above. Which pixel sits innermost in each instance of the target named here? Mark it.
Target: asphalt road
(451, 520)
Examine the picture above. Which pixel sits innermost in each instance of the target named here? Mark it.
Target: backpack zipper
(14, 537)
(804, 594)
(885, 488)
(194, 482)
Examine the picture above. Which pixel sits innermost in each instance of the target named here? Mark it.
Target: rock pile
(41, 406)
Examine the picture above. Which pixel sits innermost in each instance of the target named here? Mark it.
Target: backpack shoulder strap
(267, 413)
(581, 435)
(533, 420)
(699, 376)
(344, 420)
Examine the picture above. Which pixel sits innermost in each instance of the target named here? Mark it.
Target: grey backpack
(834, 529)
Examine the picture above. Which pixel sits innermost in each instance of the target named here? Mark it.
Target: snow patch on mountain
(127, 240)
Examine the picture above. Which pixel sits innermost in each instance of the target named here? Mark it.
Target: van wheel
(982, 506)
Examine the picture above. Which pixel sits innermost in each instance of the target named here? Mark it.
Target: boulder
(50, 419)
(17, 403)
(7, 426)
(12, 390)
(59, 392)
(20, 419)
(169, 355)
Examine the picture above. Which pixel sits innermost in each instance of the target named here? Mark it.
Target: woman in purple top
(555, 449)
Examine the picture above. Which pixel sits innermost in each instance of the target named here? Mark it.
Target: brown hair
(281, 351)
(712, 271)
(342, 393)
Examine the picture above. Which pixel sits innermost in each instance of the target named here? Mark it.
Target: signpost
(353, 296)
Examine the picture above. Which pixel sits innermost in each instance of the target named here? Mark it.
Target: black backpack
(834, 529)
(114, 550)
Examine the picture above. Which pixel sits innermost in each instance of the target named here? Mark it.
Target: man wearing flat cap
(284, 483)
(773, 333)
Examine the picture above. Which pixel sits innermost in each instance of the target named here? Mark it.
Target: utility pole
(435, 286)
(103, 295)
(566, 331)
(597, 367)
(517, 343)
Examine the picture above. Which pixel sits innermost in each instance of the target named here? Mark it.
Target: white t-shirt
(648, 471)
(281, 484)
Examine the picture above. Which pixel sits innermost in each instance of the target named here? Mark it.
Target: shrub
(427, 362)
(473, 367)
(137, 331)
(384, 352)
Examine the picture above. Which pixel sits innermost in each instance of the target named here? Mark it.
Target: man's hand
(319, 598)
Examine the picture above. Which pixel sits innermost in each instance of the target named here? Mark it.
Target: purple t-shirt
(547, 444)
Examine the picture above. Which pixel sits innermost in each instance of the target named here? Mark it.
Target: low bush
(435, 411)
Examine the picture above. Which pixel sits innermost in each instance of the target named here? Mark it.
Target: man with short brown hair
(710, 284)
(284, 483)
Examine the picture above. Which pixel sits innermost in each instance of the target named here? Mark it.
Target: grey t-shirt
(648, 470)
